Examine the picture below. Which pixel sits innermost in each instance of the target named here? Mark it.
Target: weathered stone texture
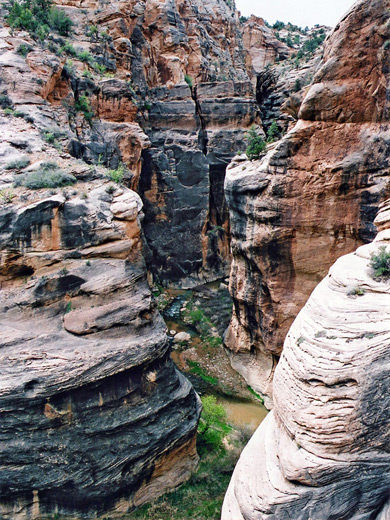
(95, 419)
(322, 452)
(313, 198)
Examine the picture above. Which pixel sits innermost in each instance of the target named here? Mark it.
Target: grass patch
(202, 496)
(258, 396)
(48, 176)
(197, 370)
(6, 196)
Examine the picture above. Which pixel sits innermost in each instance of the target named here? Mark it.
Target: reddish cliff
(314, 196)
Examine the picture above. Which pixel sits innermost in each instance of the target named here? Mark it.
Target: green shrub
(24, 49)
(297, 84)
(49, 137)
(212, 425)
(38, 17)
(59, 21)
(380, 263)
(188, 80)
(100, 69)
(92, 31)
(273, 132)
(85, 56)
(48, 176)
(19, 164)
(118, 174)
(256, 144)
(68, 49)
(6, 196)
(82, 104)
(5, 101)
(87, 74)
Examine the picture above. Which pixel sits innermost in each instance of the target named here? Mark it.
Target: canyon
(122, 170)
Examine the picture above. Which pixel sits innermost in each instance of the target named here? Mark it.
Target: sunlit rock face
(95, 419)
(314, 196)
(323, 451)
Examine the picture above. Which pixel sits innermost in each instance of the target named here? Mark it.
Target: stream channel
(204, 314)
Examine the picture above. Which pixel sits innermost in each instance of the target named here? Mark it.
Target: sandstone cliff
(124, 66)
(314, 196)
(95, 419)
(322, 453)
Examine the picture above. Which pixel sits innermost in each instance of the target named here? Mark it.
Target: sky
(299, 12)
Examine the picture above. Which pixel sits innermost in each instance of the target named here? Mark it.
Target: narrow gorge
(128, 205)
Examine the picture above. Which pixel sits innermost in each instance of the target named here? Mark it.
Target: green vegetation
(18, 113)
(212, 427)
(278, 25)
(5, 101)
(83, 105)
(188, 80)
(24, 49)
(356, 291)
(59, 21)
(273, 132)
(380, 263)
(48, 176)
(38, 17)
(18, 164)
(118, 174)
(68, 307)
(258, 396)
(197, 370)
(201, 497)
(6, 196)
(256, 144)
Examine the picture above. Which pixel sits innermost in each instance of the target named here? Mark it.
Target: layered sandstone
(145, 115)
(314, 196)
(95, 419)
(323, 451)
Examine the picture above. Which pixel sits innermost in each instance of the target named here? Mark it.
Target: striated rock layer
(160, 87)
(323, 451)
(314, 196)
(95, 419)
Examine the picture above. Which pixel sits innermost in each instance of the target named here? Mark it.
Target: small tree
(256, 144)
(273, 132)
(380, 263)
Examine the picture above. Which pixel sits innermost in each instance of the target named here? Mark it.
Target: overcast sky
(299, 12)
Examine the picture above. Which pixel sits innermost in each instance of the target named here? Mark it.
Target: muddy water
(242, 413)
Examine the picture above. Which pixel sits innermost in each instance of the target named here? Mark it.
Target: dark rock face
(95, 419)
(313, 197)
(193, 136)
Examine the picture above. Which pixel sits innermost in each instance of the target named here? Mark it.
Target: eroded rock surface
(160, 87)
(322, 452)
(95, 419)
(313, 198)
